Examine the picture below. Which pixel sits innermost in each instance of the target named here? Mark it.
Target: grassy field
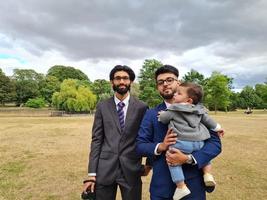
(46, 157)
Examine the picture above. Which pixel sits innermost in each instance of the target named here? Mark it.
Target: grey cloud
(99, 27)
(251, 78)
(105, 29)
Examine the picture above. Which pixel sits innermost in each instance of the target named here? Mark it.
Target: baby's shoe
(209, 180)
(180, 193)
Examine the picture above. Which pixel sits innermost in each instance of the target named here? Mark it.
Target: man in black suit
(113, 160)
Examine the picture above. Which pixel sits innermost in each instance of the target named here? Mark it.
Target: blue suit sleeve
(210, 150)
(145, 144)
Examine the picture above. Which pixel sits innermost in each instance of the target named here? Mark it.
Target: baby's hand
(162, 111)
(220, 133)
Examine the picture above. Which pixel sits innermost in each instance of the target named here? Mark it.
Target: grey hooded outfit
(191, 122)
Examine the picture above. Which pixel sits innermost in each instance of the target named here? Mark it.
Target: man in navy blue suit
(154, 139)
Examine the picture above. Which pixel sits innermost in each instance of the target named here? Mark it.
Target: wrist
(88, 180)
(91, 178)
(161, 148)
(189, 159)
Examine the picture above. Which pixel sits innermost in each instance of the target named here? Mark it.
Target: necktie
(121, 114)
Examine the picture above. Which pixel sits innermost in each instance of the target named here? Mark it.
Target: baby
(189, 120)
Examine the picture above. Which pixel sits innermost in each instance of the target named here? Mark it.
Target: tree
(217, 91)
(27, 84)
(135, 90)
(147, 85)
(48, 87)
(74, 97)
(102, 89)
(261, 91)
(27, 74)
(234, 101)
(249, 98)
(103, 96)
(195, 77)
(65, 72)
(7, 89)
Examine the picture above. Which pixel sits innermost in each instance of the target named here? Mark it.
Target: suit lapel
(130, 110)
(113, 109)
(161, 106)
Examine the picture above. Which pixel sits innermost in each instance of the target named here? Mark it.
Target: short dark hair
(125, 68)
(194, 91)
(166, 69)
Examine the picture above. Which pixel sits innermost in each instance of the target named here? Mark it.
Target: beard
(121, 91)
(168, 95)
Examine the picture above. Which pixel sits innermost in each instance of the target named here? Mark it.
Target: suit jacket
(112, 148)
(151, 133)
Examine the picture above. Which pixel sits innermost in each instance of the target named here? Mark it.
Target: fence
(33, 112)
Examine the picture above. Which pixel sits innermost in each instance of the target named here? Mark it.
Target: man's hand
(146, 170)
(90, 184)
(175, 157)
(169, 139)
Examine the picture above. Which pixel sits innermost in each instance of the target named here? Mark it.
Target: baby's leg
(208, 178)
(207, 169)
(181, 190)
(178, 175)
(180, 184)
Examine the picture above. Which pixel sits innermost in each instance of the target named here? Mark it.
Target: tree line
(67, 88)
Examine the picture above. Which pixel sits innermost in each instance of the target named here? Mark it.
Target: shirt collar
(125, 101)
(167, 104)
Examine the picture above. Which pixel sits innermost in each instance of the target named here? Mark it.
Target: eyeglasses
(124, 78)
(168, 81)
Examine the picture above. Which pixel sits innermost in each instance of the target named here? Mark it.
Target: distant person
(154, 139)
(190, 121)
(113, 160)
(248, 111)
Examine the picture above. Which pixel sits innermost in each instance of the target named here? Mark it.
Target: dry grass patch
(53, 153)
(46, 157)
(240, 169)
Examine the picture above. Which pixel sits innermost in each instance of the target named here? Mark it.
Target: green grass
(10, 176)
(13, 168)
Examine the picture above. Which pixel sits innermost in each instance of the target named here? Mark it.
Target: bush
(35, 103)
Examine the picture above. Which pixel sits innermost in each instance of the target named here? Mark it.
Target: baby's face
(181, 95)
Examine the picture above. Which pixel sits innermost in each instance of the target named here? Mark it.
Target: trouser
(159, 198)
(186, 147)
(128, 192)
(197, 189)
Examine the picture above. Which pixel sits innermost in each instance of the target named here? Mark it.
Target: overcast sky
(228, 36)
